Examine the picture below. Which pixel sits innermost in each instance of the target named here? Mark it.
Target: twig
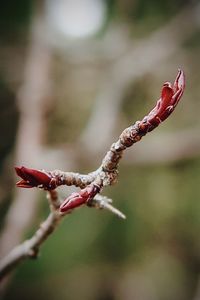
(103, 202)
(30, 248)
(92, 183)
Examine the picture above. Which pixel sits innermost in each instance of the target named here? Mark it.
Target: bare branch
(30, 248)
(103, 202)
(94, 182)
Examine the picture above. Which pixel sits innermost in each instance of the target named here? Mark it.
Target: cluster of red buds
(41, 179)
(170, 96)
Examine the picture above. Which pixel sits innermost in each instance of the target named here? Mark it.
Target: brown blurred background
(73, 75)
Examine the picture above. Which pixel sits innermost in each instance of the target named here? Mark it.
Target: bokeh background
(73, 75)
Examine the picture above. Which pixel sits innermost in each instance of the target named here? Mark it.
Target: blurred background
(73, 75)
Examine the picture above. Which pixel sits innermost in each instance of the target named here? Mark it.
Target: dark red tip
(32, 178)
(73, 201)
(170, 96)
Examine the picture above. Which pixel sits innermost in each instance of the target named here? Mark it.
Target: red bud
(170, 97)
(78, 199)
(33, 178)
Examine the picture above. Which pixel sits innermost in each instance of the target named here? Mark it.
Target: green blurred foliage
(143, 16)
(14, 18)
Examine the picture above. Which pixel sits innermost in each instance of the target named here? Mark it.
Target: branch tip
(102, 202)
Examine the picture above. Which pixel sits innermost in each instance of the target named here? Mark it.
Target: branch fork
(91, 184)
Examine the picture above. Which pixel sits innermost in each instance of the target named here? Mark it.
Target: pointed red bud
(170, 96)
(78, 199)
(33, 178)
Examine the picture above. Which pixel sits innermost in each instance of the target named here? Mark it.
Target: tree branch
(91, 184)
(30, 248)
